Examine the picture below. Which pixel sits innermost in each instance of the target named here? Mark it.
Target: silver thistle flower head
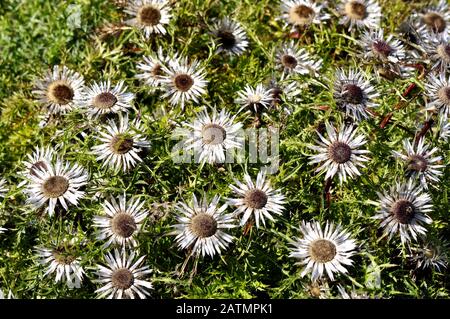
(420, 162)
(319, 249)
(340, 153)
(202, 227)
(258, 200)
(403, 209)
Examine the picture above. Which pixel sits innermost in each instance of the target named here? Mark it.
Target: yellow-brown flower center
(55, 186)
(429, 253)
(322, 250)
(444, 95)
(123, 224)
(149, 15)
(339, 152)
(122, 278)
(355, 10)
(121, 144)
(255, 198)
(60, 92)
(435, 21)
(62, 256)
(213, 134)
(104, 100)
(443, 51)
(289, 61)
(301, 15)
(183, 82)
(403, 211)
(203, 225)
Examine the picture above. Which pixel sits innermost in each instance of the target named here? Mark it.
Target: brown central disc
(227, 39)
(417, 163)
(60, 92)
(213, 134)
(435, 21)
(382, 48)
(403, 210)
(55, 186)
(123, 225)
(62, 256)
(443, 51)
(183, 82)
(339, 152)
(444, 94)
(149, 15)
(355, 10)
(122, 278)
(203, 225)
(255, 198)
(121, 144)
(304, 12)
(105, 100)
(322, 250)
(301, 15)
(289, 61)
(353, 94)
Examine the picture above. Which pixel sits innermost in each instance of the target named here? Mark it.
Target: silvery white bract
(231, 38)
(60, 90)
(255, 99)
(377, 47)
(293, 59)
(62, 260)
(184, 81)
(284, 91)
(3, 188)
(437, 88)
(339, 154)
(329, 249)
(103, 98)
(120, 144)
(152, 16)
(211, 137)
(354, 94)
(56, 183)
(8, 296)
(444, 127)
(438, 51)
(258, 199)
(151, 68)
(123, 276)
(402, 210)
(301, 13)
(38, 159)
(433, 254)
(435, 20)
(122, 223)
(420, 162)
(360, 14)
(202, 227)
